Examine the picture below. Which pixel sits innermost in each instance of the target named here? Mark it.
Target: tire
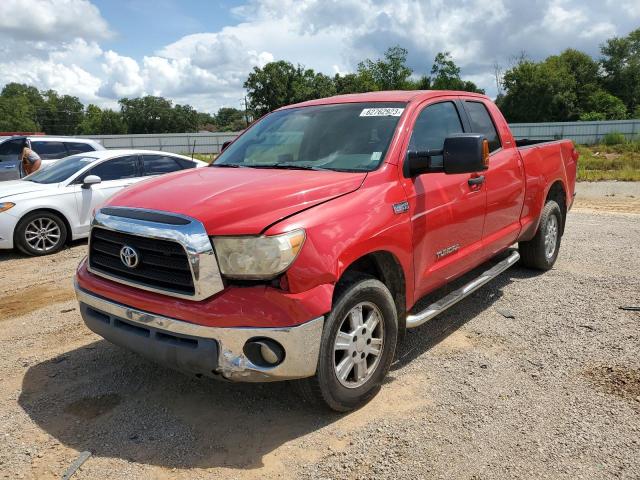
(542, 250)
(356, 347)
(40, 233)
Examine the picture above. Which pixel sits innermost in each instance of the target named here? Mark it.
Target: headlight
(257, 258)
(6, 206)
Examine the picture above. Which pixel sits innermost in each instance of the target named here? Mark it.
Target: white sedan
(41, 212)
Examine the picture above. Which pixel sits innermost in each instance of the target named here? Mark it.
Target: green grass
(620, 161)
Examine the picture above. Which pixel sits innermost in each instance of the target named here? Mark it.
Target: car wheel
(357, 347)
(541, 252)
(40, 233)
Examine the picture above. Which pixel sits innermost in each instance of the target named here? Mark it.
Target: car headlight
(257, 258)
(6, 206)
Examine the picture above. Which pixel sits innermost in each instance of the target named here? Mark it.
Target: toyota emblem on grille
(129, 256)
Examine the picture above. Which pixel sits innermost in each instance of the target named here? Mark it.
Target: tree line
(565, 87)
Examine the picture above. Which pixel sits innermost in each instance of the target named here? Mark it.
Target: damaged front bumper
(203, 351)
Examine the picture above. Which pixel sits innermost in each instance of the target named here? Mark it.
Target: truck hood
(238, 201)
(12, 188)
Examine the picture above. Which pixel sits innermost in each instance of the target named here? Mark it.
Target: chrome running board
(457, 295)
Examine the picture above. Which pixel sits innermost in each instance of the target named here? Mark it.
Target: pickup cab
(302, 251)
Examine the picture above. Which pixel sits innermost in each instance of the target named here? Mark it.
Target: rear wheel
(357, 347)
(40, 233)
(542, 250)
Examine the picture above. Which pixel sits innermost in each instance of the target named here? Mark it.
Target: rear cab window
(481, 122)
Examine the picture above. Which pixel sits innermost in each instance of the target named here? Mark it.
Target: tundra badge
(447, 251)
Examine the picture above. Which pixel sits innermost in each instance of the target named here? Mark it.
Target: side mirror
(225, 145)
(90, 180)
(419, 162)
(465, 153)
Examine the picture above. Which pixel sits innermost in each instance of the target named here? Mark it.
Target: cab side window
(435, 123)
(50, 150)
(78, 147)
(159, 164)
(116, 169)
(481, 123)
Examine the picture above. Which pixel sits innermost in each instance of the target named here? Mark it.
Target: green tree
(388, 73)
(16, 115)
(102, 122)
(354, 83)
(230, 119)
(61, 114)
(538, 92)
(30, 101)
(445, 75)
(621, 65)
(281, 83)
(147, 114)
(601, 105)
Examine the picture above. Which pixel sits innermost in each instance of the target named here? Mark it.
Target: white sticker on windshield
(381, 112)
(375, 156)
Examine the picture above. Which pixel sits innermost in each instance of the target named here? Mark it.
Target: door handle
(9, 167)
(473, 181)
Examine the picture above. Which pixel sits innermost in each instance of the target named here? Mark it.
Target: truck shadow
(116, 404)
(422, 339)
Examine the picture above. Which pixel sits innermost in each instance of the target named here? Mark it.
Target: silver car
(50, 149)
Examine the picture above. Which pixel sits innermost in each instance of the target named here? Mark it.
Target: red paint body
(349, 215)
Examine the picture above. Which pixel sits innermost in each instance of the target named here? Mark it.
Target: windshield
(60, 171)
(350, 137)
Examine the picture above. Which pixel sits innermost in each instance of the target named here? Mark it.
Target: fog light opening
(264, 352)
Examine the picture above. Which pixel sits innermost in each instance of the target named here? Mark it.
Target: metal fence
(167, 142)
(586, 133)
(580, 132)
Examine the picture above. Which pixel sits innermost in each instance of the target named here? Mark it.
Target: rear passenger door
(159, 164)
(116, 174)
(504, 178)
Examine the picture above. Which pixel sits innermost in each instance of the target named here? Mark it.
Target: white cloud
(52, 20)
(58, 42)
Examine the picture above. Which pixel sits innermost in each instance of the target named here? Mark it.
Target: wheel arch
(384, 266)
(558, 193)
(53, 211)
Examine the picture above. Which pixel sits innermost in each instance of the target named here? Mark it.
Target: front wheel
(357, 347)
(40, 233)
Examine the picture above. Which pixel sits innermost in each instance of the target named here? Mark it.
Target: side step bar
(457, 295)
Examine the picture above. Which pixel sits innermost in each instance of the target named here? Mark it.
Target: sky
(200, 52)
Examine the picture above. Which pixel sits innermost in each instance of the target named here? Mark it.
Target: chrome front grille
(173, 253)
(163, 264)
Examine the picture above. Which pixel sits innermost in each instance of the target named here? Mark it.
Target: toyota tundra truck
(302, 251)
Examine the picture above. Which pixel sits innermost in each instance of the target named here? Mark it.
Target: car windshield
(61, 170)
(348, 137)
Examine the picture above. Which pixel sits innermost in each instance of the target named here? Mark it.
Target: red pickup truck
(303, 250)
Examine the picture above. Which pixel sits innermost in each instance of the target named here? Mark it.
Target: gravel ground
(552, 393)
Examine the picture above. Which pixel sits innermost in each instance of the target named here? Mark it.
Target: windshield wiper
(227, 165)
(290, 166)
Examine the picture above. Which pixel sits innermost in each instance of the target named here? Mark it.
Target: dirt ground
(552, 393)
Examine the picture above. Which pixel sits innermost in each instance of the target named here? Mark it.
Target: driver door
(447, 210)
(116, 174)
